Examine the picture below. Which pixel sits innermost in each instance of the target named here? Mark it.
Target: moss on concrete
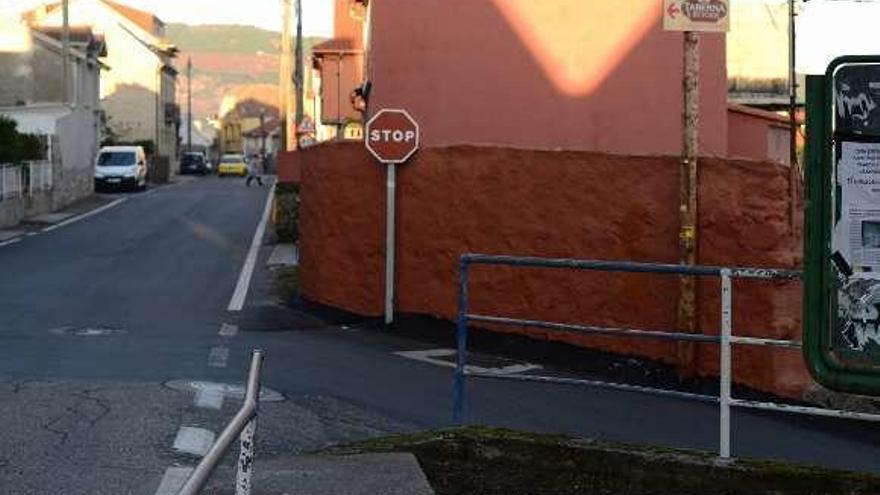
(287, 282)
(489, 461)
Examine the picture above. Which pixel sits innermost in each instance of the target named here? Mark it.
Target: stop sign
(392, 136)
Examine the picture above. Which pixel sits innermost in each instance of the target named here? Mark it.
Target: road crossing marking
(173, 480)
(247, 270)
(218, 357)
(432, 356)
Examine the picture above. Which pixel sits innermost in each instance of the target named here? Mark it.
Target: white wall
(77, 145)
(129, 89)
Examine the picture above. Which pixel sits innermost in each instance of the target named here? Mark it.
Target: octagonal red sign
(392, 136)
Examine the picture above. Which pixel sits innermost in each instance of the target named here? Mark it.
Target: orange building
(548, 128)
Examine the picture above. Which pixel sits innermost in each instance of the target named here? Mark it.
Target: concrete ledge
(362, 474)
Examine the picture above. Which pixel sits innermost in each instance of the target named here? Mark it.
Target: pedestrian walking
(255, 170)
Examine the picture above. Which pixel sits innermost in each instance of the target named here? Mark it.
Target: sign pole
(688, 198)
(794, 167)
(389, 242)
(392, 136)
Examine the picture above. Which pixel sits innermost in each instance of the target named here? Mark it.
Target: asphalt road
(96, 317)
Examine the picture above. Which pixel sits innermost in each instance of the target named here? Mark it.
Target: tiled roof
(336, 45)
(145, 20)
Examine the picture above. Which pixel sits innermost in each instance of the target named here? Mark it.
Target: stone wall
(73, 177)
(555, 204)
(11, 212)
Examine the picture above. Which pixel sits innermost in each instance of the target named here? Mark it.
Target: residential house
(32, 93)
(138, 97)
(338, 71)
(758, 81)
(241, 111)
(264, 139)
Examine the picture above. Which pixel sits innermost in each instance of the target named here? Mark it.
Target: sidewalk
(34, 224)
(360, 474)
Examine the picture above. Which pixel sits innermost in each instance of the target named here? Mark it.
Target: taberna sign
(842, 216)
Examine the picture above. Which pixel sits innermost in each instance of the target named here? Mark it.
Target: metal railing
(39, 176)
(726, 339)
(243, 426)
(11, 182)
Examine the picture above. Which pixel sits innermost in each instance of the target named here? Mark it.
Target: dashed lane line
(218, 357)
(173, 480)
(228, 330)
(194, 441)
(209, 398)
(10, 242)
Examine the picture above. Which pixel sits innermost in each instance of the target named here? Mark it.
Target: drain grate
(88, 331)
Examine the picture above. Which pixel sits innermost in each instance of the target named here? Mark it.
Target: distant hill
(225, 58)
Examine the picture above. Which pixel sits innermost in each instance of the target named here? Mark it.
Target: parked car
(121, 167)
(232, 164)
(194, 163)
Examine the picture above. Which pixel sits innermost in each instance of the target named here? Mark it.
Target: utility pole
(298, 80)
(65, 51)
(687, 317)
(284, 80)
(263, 133)
(794, 169)
(189, 104)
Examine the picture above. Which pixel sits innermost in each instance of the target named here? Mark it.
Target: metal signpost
(392, 136)
(842, 242)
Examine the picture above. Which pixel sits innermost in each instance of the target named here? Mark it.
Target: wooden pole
(189, 105)
(65, 51)
(794, 168)
(687, 300)
(298, 79)
(284, 78)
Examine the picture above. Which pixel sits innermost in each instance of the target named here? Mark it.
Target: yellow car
(232, 165)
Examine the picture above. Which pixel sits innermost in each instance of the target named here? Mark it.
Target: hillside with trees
(225, 59)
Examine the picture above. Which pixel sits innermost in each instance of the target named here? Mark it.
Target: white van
(121, 166)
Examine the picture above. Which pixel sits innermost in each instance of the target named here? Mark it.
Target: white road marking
(209, 398)
(31, 234)
(218, 357)
(247, 271)
(85, 215)
(228, 330)
(195, 441)
(432, 356)
(10, 242)
(232, 391)
(173, 480)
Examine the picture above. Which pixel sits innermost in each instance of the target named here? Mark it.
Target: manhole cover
(87, 331)
(227, 389)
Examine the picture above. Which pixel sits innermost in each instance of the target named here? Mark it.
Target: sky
(317, 14)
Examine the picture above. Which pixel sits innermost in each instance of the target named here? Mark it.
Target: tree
(10, 146)
(16, 147)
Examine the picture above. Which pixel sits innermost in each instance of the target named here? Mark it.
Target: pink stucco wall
(549, 74)
(758, 135)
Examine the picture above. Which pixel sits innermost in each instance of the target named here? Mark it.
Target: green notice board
(842, 241)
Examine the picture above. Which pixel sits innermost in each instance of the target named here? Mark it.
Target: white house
(139, 95)
(31, 93)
